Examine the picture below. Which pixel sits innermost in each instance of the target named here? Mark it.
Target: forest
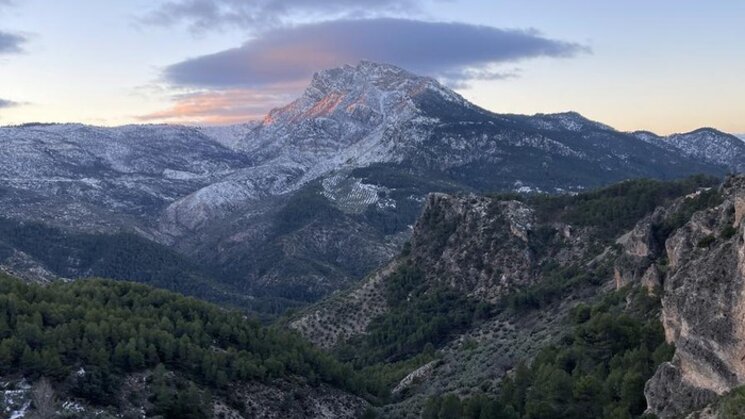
(112, 328)
(597, 369)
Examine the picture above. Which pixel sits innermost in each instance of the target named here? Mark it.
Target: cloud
(252, 15)
(447, 50)
(4, 103)
(269, 70)
(11, 43)
(224, 107)
(462, 79)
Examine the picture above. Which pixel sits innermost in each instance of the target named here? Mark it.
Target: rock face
(451, 228)
(480, 246)
(703, 309)
(640, 251)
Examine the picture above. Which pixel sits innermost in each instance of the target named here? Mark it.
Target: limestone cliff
(703, 300)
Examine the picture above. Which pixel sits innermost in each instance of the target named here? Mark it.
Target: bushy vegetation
(420, 317)
(303, 207)
(617, 208)
(596, 371)
(703, 200)
(113, 328)
(732, 404)
(420, 320)
(557, 283)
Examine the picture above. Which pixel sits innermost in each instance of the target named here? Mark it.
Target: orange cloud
(224, 106)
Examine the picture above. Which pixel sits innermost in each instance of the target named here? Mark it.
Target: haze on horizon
(666, 66)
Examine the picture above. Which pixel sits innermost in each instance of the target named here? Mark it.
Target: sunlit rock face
(703, 314)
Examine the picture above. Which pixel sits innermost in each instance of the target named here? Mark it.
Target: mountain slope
(705, 144)
(570, 282)
(372, 141)
(39, 253)
(322, 190)
(487, 282)
(112, 348)
(93, 178)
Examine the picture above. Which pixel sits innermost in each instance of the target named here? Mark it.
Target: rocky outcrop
(669, 394)
(487, 247)
(475, 244)
(419, 374)
(703, 300)
(640, 250)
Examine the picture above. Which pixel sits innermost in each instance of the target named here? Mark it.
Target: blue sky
(664, 65)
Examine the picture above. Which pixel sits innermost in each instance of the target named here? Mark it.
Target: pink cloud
(224, 106)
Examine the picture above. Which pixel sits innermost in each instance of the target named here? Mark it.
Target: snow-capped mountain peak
(382, 77)
(367, 92)
(705, 144)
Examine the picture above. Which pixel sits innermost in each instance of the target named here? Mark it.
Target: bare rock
(669, 395)
(703, 300)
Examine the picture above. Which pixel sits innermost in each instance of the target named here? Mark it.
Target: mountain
(705, 144)
(565, 306)
(320, 192)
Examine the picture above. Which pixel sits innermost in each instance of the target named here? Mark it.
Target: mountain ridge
(350, 162)
(488, 282)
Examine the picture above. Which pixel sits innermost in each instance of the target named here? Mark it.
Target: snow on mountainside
(571, 121)
(93, 177)
(705, 144)
(323, 189)
(347, 107)
(228, 135)
(343, 120)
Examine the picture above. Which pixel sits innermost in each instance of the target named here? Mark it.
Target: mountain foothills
(98, 348)
(619, 302)
(285, 211)
(623, 302)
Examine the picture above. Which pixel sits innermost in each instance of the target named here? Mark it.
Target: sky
(665, 65)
